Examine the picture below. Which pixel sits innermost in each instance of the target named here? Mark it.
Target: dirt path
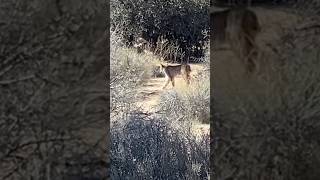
(150, 93)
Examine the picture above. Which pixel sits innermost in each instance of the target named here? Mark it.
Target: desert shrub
(145, 147)
(128, 71)
(169, 51)
(268, 124)
(187, 105)
(179, 21)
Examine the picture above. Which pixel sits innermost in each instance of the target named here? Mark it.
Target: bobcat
(238, 27)
(171, 71)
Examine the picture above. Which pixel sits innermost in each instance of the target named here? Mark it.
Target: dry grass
(147, 145)
(189, 104)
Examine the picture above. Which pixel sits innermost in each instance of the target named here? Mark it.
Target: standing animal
(171, 71)
(237, 27)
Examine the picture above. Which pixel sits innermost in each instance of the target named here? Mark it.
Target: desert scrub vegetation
(148, 145)
(190, 104)
(149, 148)
(128, 71)
(144, 145)
(187, 105)
(267, 127)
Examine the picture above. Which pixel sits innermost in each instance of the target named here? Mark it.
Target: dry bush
(169, 51)
(189, 104)
(128, 71)
(149, 148)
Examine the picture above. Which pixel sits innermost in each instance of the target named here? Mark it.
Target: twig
(30, 143)
(6, 82)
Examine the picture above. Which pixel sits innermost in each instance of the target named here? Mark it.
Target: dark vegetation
(183, 23)
(52, 90)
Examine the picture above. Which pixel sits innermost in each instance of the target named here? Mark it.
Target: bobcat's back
(174, 70)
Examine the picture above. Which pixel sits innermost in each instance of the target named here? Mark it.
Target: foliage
(179, 21)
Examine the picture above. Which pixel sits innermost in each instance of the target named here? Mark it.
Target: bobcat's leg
(185, 78)
(172, 82)
(188, 78)
(166, 83)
